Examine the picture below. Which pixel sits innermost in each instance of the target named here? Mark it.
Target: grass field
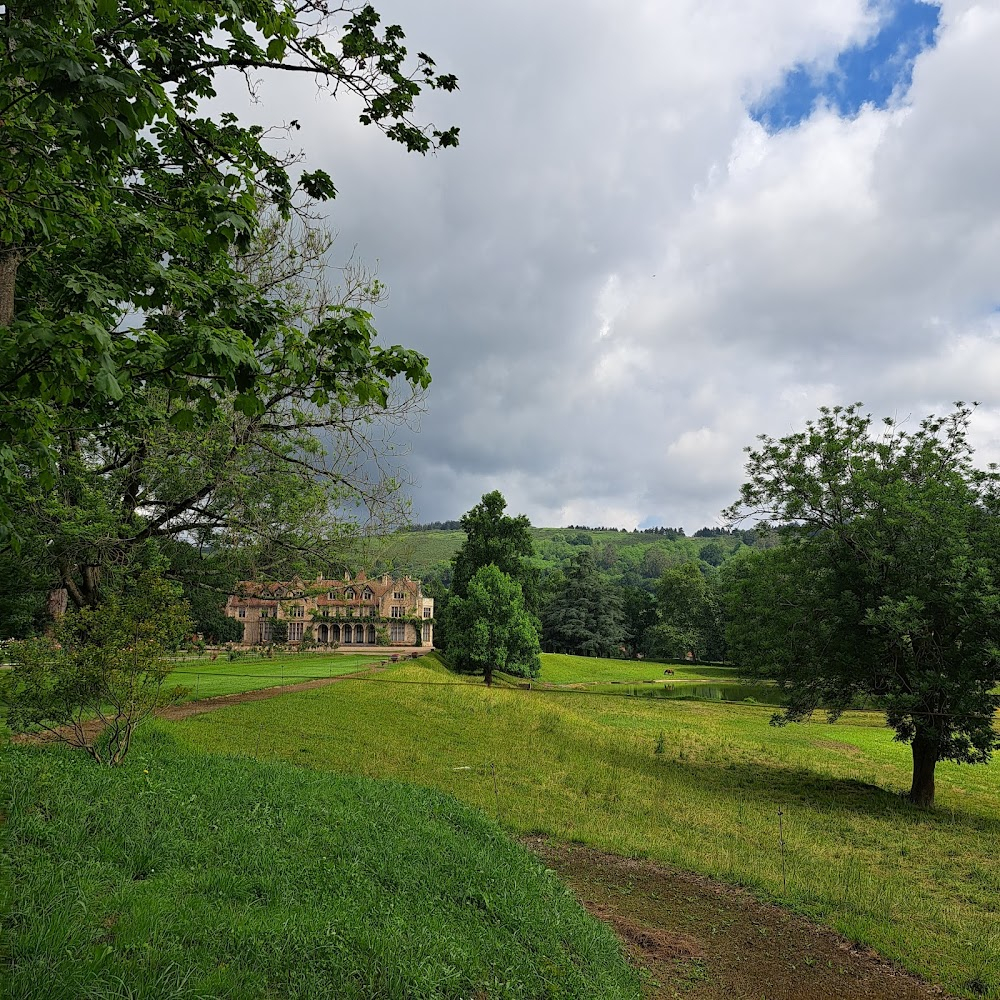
(561, 669)
(920, 887)
(182, 875)
(205, 679)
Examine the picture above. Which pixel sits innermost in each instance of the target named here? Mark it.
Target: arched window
(348, 635)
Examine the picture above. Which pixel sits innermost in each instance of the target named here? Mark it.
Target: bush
(102, 671)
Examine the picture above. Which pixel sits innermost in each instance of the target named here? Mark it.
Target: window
(398, 595)
(397, 632)
(297, 611)
(426, 632)
(427, 612)
(265, 613)
(295, 631)
(368, 593)
(331, 596)
(243, 612)
(349, 594)
(397, 612)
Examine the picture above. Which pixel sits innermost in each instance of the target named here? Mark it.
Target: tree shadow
(796, 785)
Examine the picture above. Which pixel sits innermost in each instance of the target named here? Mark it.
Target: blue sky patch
(865, 74)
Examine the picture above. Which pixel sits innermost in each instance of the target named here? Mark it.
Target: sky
(671, 227)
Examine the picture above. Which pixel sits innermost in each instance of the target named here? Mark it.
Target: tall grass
(921, 887)
(182, 875)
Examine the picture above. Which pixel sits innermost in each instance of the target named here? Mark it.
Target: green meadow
(691, 784)
(183, 875)
(558, 668)
(203, 678)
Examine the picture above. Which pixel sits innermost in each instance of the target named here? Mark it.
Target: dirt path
(188, 708)
(703, 940)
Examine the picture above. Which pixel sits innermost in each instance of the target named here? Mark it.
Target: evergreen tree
(585, 616)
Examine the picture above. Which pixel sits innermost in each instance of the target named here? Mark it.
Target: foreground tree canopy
(887, 584)
(147, 337)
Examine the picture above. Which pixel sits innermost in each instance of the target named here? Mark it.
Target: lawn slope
(184, 875)
(693, 784)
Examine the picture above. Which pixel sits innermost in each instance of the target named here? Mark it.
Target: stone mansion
(347, 612)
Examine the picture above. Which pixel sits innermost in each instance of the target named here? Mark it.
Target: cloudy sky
(671, 226)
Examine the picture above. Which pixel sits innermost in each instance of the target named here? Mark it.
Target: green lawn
(920, 887)
(182, 875)
(204, 679)
(559, 668)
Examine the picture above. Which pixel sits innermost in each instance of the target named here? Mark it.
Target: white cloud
(621, 279)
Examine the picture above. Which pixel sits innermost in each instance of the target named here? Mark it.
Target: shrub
(101, 672)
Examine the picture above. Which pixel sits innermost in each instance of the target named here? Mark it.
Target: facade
(348, 612)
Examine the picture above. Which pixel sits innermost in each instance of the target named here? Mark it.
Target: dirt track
(703, 940)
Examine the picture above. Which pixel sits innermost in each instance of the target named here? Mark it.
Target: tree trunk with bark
(9, 261)
(925, 758)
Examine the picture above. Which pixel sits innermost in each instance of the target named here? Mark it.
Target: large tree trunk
(925, 757)
(57, 603)
(9, 261)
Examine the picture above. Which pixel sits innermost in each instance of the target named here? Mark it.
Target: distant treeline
(662, 532)
(747, 536)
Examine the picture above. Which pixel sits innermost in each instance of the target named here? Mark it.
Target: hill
(633, 558)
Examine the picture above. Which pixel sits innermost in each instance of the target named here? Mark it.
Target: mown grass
(204, 678)
(559, 668)
(183, 875)
(920, 887)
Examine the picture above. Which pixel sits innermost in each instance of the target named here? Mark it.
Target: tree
(122, 210)
(102, 671)
(639, 615)
(490, 629)
(273, 484)
(688, 616)
(585, 616)
(493, 538)
(886, 586)
(712, 553)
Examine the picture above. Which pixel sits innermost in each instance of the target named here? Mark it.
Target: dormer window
(349, 594)
(368, 593)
